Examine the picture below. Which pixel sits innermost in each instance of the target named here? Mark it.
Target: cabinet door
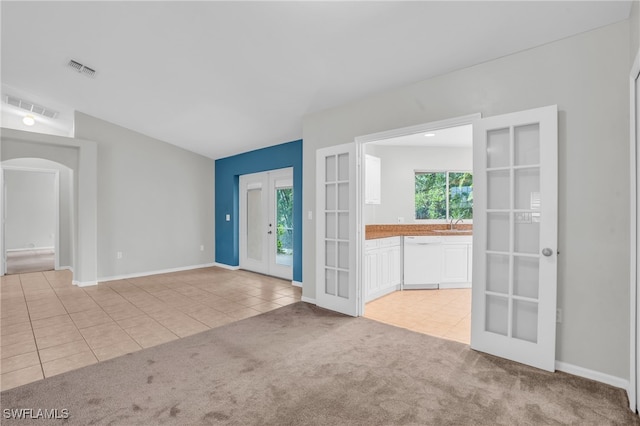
(385, 268)
(396, 265)
(372, 179)
(455, 263)
(371, 272)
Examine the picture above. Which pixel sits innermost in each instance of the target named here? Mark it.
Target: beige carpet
(36, 260)
(300, 365)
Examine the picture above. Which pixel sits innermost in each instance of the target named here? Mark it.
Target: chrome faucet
(452, 225)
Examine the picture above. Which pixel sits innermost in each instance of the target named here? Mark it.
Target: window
(444, 195)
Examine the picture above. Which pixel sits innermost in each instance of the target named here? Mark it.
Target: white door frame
(634, 232)
(56, 190)
(360, 152)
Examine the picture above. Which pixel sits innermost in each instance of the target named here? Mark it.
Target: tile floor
(49, 326)
(440, 313)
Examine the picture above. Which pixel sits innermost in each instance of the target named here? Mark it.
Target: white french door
(515, 236)
(336, 232)
(266, 222)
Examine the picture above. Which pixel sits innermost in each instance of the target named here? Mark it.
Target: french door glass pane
(497, 311)
(343, 226)
(330, 281)
(498, 189)
(525, 320)
(498, 148)
(498, 273)
(330, 196)
(330, 169)
(527, 187)
(527, 144)
(331, 227)
(498, 232)
(525, 276)
(527, 234)
(255, 223)
(343, 167)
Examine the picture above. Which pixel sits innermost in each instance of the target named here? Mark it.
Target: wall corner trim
(225, 266)
(617, 382)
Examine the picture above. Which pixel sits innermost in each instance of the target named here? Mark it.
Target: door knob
(547, 251)
(269, 232)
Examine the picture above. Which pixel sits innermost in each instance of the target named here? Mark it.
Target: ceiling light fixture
(29, 120)
(430, 135)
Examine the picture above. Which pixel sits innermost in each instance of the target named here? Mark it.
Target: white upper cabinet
(372, 179)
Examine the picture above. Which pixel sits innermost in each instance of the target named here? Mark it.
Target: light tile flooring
(49, 326)
(440, 313)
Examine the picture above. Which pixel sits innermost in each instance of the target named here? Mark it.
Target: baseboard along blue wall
(228, 171)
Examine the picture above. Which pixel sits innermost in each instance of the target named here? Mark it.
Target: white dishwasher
(422, 262)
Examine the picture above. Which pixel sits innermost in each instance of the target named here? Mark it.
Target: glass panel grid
(513, 196)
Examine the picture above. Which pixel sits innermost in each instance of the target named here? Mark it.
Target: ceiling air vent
(81, 68)
(29, 106)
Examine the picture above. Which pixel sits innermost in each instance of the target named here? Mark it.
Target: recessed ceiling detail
(81, 68)
(30, 106)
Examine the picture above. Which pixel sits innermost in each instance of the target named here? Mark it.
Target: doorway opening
(266, 222)
(417, 215)
(37, 216)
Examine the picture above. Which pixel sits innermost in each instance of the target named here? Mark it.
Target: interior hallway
(439, 313)
(50, 326)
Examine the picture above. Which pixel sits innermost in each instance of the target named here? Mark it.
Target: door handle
(269, 232)
(547, 251)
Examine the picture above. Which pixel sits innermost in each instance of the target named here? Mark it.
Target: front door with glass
(266, 222)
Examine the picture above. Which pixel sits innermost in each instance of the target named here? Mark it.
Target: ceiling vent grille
(81, 68)
(30, 106)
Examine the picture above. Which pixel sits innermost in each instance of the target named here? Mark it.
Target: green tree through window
(444, 195)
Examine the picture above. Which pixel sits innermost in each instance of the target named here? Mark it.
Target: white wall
(65, 203)
(30, 209)
(398, 166)
(155, 201)
(587, 77)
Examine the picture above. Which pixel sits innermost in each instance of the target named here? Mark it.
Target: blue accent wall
(228, 171)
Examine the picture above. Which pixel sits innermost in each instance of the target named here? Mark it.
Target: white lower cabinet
(456, 262)
(382, 267)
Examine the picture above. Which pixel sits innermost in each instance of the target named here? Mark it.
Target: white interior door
(266, 223)
(336, 231)
(515, 236)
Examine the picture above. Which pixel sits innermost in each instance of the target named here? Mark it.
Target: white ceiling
(220, 78)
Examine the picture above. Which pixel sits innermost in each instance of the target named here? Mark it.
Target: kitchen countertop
(396, 230)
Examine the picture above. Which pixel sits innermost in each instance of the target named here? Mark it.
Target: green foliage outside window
(284, 225)
(432, 190)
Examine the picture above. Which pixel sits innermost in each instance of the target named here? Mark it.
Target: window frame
(446, 171)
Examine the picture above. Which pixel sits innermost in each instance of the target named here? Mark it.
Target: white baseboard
(84, 283)
(614, 381)
(65, 268)
(296, 283)
(225, 266)
(454, 285)
(308, 300)
(30, 249)
(161, 271)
